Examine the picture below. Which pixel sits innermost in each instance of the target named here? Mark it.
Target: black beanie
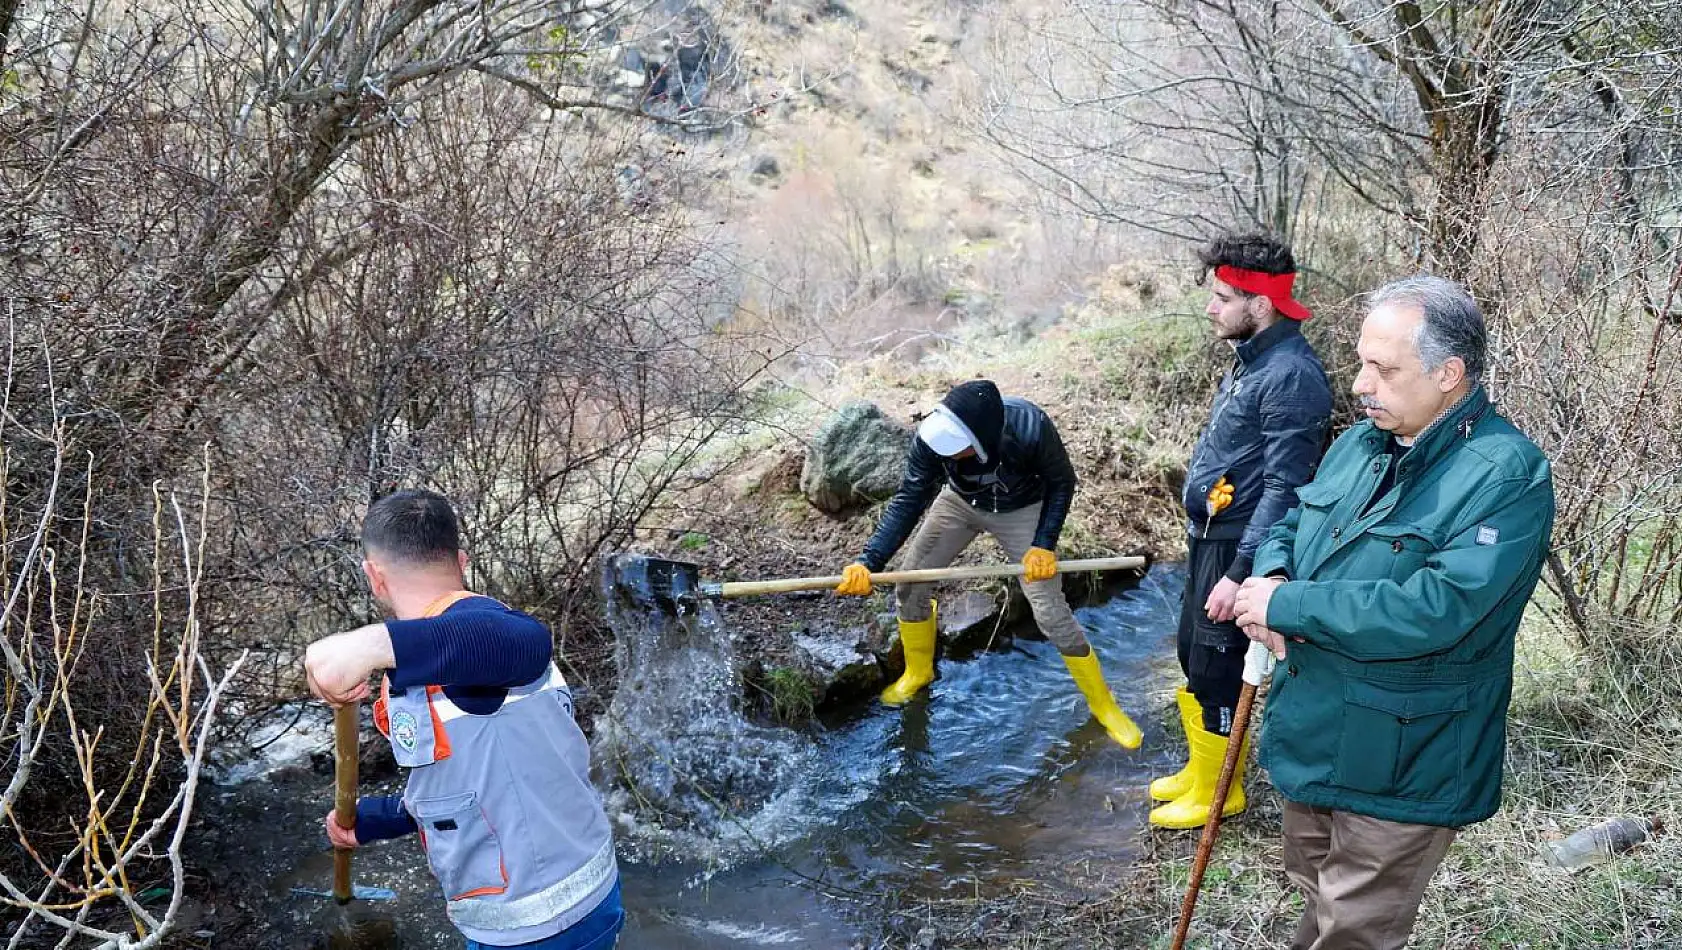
(978, 404)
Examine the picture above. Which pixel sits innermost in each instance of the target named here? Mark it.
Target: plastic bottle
(1599, 842)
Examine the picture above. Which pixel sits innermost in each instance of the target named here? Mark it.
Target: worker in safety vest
(498, 772)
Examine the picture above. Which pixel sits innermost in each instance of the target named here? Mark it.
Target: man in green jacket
(1391, 595)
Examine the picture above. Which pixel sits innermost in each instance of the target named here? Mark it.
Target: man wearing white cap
(985, 464)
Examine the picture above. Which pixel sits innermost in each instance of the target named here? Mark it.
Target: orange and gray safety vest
(512, 827)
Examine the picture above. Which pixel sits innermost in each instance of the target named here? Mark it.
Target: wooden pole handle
(927, 575)
(1212, 826)
(347, 723)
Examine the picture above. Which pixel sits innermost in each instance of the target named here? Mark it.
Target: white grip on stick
(1258, 663)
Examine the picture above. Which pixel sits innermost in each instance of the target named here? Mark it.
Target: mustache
(1367, 402)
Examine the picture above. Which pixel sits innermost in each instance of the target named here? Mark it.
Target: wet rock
(856, 458)
(765, 167)
(827, 654)
(857, 683)
(883, 631)
(843, 663)
(972, 621)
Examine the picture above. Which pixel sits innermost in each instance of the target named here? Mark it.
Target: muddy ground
(256, 841)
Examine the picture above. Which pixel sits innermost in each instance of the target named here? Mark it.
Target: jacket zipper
(1220, 410)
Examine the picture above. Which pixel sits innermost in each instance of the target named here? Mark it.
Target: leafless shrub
(346, 247)
(125, 795)
(835, 262)
(514, 326)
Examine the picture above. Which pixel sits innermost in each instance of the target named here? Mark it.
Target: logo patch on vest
(1487, 534)
(404, 730)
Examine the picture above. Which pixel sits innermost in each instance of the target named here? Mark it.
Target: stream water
(735, 836)
(996, 774)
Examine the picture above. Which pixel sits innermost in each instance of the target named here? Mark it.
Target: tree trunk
(1465, 147)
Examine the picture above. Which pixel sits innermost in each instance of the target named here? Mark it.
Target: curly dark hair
(1256, 251)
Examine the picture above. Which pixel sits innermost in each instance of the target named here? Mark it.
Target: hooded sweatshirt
(1019, 461)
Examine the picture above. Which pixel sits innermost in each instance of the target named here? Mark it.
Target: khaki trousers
(1363, 877)
(949, 527)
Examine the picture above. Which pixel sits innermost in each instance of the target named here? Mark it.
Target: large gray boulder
(856, 458)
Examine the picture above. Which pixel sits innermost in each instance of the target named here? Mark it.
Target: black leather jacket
(1032, 467)
(1266, 433)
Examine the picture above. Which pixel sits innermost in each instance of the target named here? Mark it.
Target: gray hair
(1453, 324)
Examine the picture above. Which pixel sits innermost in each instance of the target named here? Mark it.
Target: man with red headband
(1264, 438)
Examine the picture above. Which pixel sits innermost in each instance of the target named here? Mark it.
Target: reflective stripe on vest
(540, 907)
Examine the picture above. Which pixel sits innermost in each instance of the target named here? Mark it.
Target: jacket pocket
(461, 846)
(1223, 635)
(1319, 494)
(1402, 742)
(1401, 549)
(1317, 518)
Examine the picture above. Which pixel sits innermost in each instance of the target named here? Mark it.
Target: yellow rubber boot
(1208, 751)
(1090, 679)
(1170, 787)
(917, 637)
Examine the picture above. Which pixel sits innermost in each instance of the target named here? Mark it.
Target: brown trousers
(949, 527)
(1363, 877)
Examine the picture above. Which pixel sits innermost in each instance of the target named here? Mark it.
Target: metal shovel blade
(652, 581)
(361, 892)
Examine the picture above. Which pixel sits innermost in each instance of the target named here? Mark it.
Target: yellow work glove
(1220, 496)
(1039, 565)
(855, 581)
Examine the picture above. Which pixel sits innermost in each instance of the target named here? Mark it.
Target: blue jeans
(597, 931)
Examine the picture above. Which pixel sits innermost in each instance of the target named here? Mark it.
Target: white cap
(943, 432)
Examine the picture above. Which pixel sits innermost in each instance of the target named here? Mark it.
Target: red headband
(1275, 287)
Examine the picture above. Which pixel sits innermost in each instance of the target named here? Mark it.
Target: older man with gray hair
(1391, 595)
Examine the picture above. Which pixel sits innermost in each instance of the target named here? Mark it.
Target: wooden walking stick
(1258, 666)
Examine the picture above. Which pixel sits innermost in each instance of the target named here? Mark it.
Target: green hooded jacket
(1395, 704)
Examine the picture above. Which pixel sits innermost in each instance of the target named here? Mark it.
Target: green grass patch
(794, 694)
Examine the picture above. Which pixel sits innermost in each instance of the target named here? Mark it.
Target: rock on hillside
(855, 459)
